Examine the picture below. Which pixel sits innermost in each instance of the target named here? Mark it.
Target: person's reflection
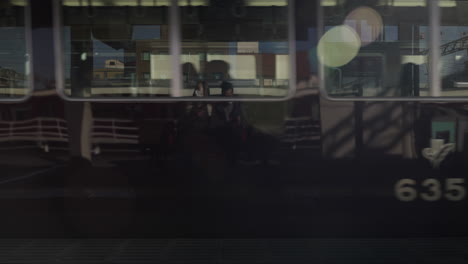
(201, 89)
(229, 115)
(231, 110)
(194, 127)
(200, 110)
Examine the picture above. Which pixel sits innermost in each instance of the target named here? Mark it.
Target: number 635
(405, 190)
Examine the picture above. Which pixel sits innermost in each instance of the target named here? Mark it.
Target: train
(351, 118)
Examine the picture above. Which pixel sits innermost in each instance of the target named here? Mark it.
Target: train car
(233, 131)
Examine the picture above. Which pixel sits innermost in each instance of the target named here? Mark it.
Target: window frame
(29, 54)
(433, 10)
(175, 51)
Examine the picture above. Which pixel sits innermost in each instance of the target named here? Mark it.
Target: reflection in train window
(126, 49)
(245, 43)
(375, 48)
(107, 48)
(14, 58)
(453, 49)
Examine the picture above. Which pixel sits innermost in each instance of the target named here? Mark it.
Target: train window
(160, 50)
(398, 49)
(245, 43)
(453, 49)
(106, 49)
(15, 66)
(374, 49)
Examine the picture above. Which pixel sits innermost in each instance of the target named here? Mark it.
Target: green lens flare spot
(338, 46)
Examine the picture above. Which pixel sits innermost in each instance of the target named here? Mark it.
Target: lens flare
(338, 46)
(366, 22)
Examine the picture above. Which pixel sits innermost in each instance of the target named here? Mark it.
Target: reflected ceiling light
(412, 3)
(246, 3)
(328, 2)
(415, 59)
(366, 22)
(18, 2)
(399, 3)
(194, 3)
(447, 3)
(163, 2)
(403, 3)
(338, 46)
(266, 2)
(118, 2)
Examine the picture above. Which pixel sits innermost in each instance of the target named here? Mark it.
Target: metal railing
(112, 131)
(44, 130)
(451, 47)
(41, 129)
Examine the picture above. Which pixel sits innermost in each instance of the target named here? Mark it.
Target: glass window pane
(14, 58)
(454, 47)
(146, 56)
(116, 48)
(374, 48)
(239, 44)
